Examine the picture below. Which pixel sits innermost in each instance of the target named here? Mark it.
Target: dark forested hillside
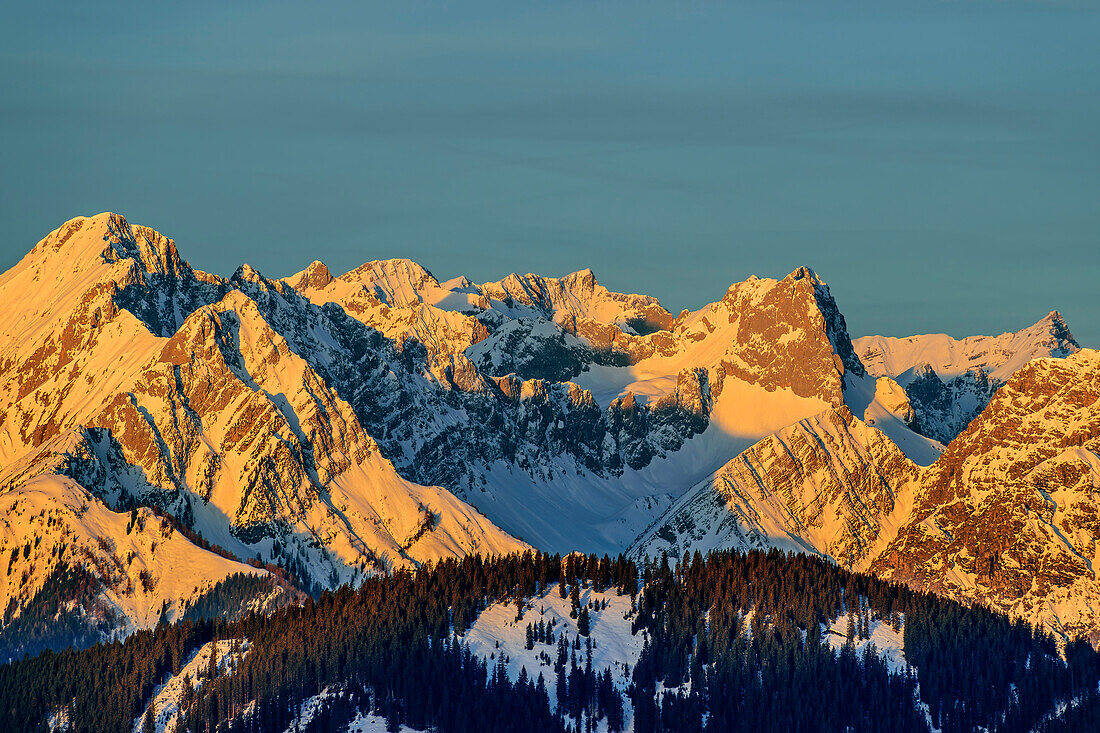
(50, 619)
(732, 642)
(745, 631)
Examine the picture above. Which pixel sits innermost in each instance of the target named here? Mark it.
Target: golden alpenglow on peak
(564, 367)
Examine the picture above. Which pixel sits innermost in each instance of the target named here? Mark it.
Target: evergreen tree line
(746, 631)
(231, 597)
(392, 636)
(63, 613)
(733, 642)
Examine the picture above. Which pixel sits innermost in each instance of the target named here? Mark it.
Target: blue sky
(938, 163)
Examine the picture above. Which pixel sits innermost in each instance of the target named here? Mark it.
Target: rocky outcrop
(828, 485)
(943, 409)
(785, 334)
(950, 381)
(1009, 514)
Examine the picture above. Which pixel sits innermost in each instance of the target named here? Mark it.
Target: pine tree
(582, 622)
(562, 691)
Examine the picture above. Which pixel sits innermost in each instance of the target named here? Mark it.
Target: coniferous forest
(732, 642)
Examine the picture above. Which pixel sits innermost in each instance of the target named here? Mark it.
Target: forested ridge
(745, 631)
(733, 642)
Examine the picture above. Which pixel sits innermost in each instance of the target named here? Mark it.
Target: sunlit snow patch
(168, 697)
(499, 638)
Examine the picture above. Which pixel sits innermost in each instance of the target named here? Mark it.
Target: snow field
(167, 698)
(499, 638)
(361, 723)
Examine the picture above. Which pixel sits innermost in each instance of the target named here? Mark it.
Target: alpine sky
(936, 162)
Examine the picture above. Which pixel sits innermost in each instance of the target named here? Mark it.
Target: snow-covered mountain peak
(760, 287)
(804, 273)
(776, 333)
(1052, 331)
(154, 251)
(315, 277)
(1055, 317)
(810, 298)
(581, 282)
(246, 273)
(949, 381)
(578, 295)
(584, 275)
(999, 356)
(395, 281)
(87, 242)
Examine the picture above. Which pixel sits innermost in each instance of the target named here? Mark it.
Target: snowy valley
(176, 446)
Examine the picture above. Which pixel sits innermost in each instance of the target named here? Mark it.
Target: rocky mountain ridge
(130, 380)
(338, 426)
(950, 381)
(1007, 516)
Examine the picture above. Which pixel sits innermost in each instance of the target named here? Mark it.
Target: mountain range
(164, 431)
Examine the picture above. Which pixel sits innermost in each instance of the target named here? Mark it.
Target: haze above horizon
(936, 163)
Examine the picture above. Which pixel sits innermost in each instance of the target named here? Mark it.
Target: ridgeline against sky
(937, 161)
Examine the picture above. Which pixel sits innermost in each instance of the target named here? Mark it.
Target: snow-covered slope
(148, 383)
(999, 356)
(361, 722)
(219, 657)
(499, 635)
(949, 381)
(143, 567)
(829, 484)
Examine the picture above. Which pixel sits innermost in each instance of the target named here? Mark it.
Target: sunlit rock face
(829, 485)
(342, 425)
(1010, 514)
(950, 381)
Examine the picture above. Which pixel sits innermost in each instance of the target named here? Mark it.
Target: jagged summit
(315, 277)
(1000, 356)
(247, 273)
(804, 272)
(788, 331)
(950, 381)
(339, 426)
(394, 281)
(1062, 339)
(106, 237)
(576, 295)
